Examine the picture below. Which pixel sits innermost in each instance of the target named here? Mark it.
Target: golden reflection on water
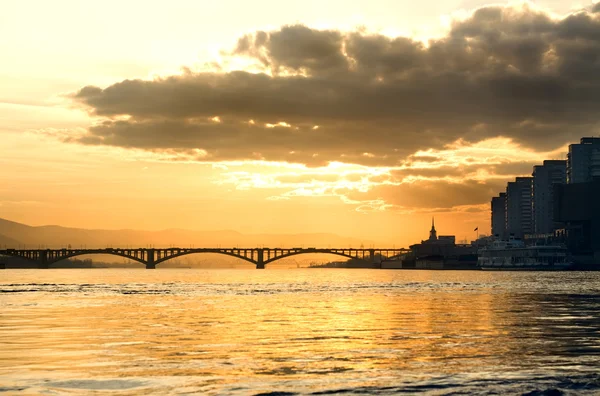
(244, 332)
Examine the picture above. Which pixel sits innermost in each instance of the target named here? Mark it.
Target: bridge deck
(150, 257)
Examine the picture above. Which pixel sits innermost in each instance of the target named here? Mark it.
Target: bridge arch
(68, 255)
(315, 251)
(75, 254)
(199, 251)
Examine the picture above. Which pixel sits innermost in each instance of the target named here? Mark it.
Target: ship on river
(513, 255)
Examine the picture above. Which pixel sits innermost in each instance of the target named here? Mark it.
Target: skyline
(347, 131)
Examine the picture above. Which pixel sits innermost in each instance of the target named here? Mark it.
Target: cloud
(296, 47)
(432, 194)
(512, 71)
(513, 169)
(431, 186)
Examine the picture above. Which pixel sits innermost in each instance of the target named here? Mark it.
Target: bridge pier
(150, 261)
(260, 260)
(43, 260)
(372, 258)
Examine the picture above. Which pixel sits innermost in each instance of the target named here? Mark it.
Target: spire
(433, 232)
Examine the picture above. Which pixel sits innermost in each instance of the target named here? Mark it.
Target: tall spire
(433, 232)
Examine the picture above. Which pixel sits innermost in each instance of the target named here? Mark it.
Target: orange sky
(321, 126)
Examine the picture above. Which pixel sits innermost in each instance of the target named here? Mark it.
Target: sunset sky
(360, 118)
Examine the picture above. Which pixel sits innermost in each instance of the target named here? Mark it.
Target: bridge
(151, 257)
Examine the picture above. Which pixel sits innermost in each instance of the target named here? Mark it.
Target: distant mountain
(13, 234)
(6, 241)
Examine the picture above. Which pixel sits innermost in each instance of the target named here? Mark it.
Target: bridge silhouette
(151, 257)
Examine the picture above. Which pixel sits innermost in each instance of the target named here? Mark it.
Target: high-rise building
(583, 160)
(544, 178)
(518, 207)
(499, 216)
(577, 207)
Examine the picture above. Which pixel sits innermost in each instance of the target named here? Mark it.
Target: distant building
(447, 239)
(499, 216)
(583, 160)
(544, 178)
(439, 252)
(518, 207)
(434, 240)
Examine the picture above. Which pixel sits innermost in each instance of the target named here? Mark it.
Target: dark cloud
(296, 48)
(432, 194)
(452, 174)
(503, 71)
(513, 168)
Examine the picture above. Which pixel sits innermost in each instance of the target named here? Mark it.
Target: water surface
(303, 331)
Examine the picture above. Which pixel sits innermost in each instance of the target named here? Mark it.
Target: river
(298, 331)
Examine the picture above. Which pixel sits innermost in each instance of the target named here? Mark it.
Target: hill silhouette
(15, 235)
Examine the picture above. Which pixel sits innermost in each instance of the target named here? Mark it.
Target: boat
(513, 255)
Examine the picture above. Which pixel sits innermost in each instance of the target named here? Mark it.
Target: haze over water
(300, 331)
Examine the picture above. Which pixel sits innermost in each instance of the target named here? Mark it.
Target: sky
(359, 118)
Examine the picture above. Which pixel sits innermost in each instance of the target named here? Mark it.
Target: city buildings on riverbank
(560, 201)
